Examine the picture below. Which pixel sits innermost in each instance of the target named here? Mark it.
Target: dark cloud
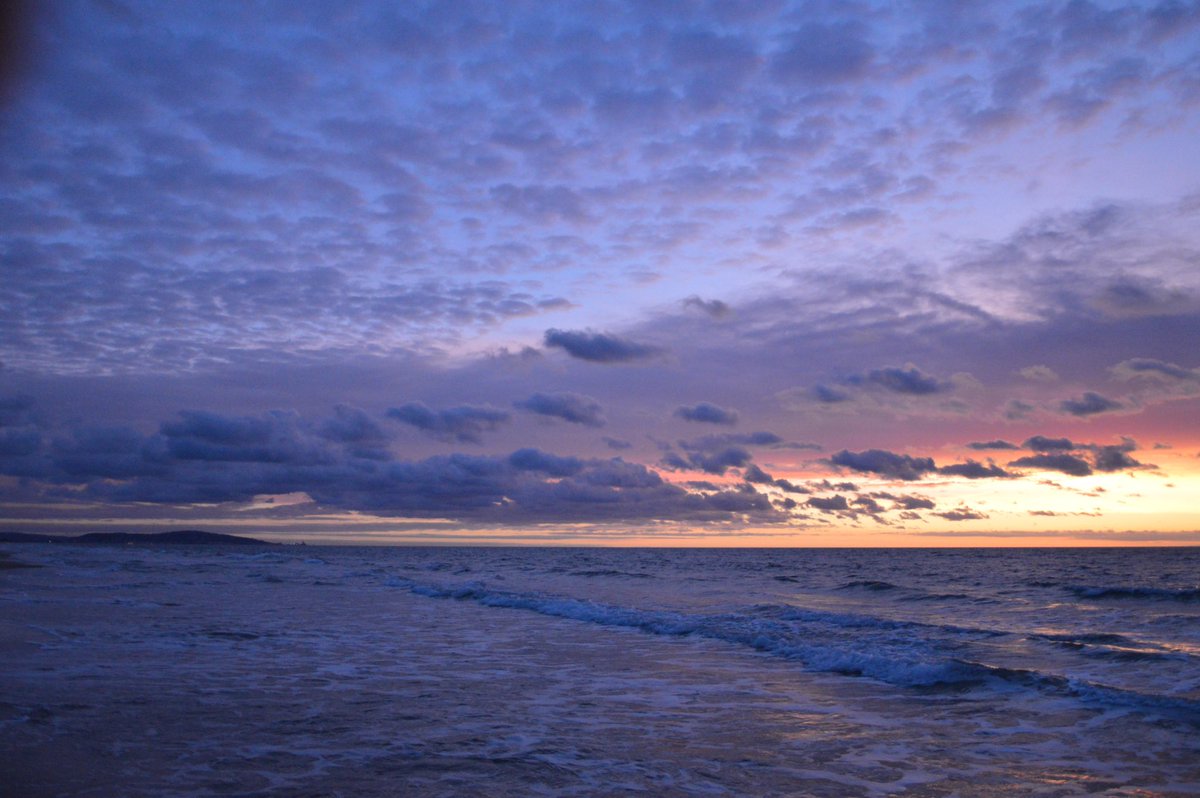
(617, 444)
(801, 445)
(598, 347)
(962, 514)
(350, 425)
(898, 388)
(215, 428)
(464, 423)
(1158, 380)
(535, 460)
(1040, 443)
(913, 502)
(108, 453)
(1149, 368)
(825, 484)
(1066, 463)
(15, 410)
(713, 307)
(276, 437)
(1115, 458)
(1133, 296)
(1070, 455)
(707, 414)
(755, 475)
(986, 445)
(1089, 404)
(910, 380)
(716, 454)
(536, 487)
(1017, 409)
(975, 470)
(884, 463)
(572, 407)
(207, 457)
(718, 461)
(708, 442)
(829, 504)
(20, 434)
(19, 441)
(828, 395)
(867, 505)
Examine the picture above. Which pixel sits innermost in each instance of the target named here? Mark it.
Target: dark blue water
(574, 671)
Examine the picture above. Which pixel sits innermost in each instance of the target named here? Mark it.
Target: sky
(694, 273)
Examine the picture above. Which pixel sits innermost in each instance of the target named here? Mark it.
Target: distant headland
(184, 537)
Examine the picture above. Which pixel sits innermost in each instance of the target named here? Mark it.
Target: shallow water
(404, 671)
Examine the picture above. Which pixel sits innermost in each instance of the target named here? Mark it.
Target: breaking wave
(1145, 593)
(907, 654)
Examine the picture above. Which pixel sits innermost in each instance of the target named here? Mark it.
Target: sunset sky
(705, 273)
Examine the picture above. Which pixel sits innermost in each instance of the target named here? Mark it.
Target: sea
(402, 671)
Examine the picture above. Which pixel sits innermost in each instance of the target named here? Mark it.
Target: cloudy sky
(696, 272)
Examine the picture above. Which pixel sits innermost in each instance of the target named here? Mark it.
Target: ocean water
(292, 670)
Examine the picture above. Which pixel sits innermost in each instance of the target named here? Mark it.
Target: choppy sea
(342, 671)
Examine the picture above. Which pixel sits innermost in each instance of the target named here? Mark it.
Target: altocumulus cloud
(279, 217)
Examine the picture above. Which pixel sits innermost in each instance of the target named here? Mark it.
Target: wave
(1113, 646)
(868, 584)
(612, 572)
(757, 633)
(1177, 707)
(849, 620)
(904, 660)
(950, 597)
(909, 593)
(1147, 593)
(1103, 638)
